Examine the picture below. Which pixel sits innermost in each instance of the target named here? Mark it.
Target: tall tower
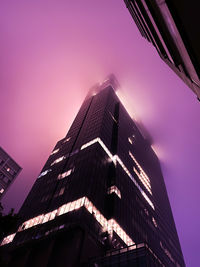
(100, 199)
(9, 170)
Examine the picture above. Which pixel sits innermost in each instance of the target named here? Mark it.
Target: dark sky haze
(52, 52)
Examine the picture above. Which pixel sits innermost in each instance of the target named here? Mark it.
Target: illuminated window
(57, 160)
(1, 191)
(89, 143)
(52, 215)
(8, 239)
(154, 222)
(141, 174)
(98, 140)
(65, 174)
(112, 117)
(116, 159)
(44, 173)
(55, 151)
(130, 140)
(114, 189)
(66, 139)
(107, 225)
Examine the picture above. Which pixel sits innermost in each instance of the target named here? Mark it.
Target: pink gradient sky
(52, 52)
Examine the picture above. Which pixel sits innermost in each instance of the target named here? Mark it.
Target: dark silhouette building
(172, 27)
(9, 170)
(100, 199)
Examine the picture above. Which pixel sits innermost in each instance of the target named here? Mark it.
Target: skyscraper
(100, 199)
(171, 26)
(9, 170)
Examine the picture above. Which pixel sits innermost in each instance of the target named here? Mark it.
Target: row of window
(107, 225)
(60, 176)
(142, 175)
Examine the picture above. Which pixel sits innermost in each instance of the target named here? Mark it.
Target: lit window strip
(8, 239)
(114, 189)
(44, 173)
(140, 168)
(135, 182)
(116, 159)
(54, 151)
(90, 143)
(108, 225)
(130, 140)
(154, 222)
(143, 181)
(65, 174)
(57, 160)
(142, 175)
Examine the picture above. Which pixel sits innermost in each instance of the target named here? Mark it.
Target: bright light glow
(1, 191)
(54, 152)
(107, 225)
(8, 239)
(44, 173)
(65, 174)
(114, 189)
(57, 160)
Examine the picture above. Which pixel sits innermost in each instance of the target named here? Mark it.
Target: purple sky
(52, 52)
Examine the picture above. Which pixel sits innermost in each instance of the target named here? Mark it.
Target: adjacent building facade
(100, 199)
(9, 170)
(171, 26)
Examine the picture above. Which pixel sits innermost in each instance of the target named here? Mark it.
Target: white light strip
(90, 143)
(114, 189)
(139, 167)
(98, 140)
(8, 239)
(141, 175)
(57, 160)
(116, 159)
(44, 173)
(108, 225)
(54, 151)
(65, 174)
(142, 180)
